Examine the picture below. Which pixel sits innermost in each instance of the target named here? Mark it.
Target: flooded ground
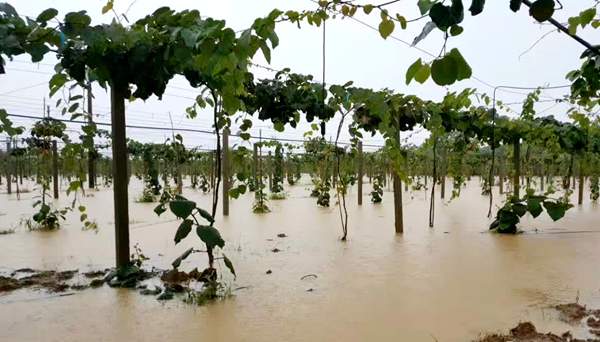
(449, 283)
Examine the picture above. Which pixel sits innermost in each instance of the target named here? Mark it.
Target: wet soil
(573, 313)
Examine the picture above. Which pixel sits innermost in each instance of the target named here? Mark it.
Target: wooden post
(501, 175)
(360, 173)
(225, 172)
(92, 151)
(517, 165)
(255, 166)
(270, 172)
(120, 178)
(443, 187)
(581, 181)
(55, 168)
(8, 175)
(398, 215)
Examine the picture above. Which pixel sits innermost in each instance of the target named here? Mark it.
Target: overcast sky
(493, 43)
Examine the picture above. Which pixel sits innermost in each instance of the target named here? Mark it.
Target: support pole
(255, 166)
(55, 168)
(517, 165)
(581, 181)
(398, 215)
(8, 175)
(120, 179)
(225, 172)
(360, 173)
(92, 151)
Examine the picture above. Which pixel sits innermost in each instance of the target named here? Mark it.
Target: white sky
(492, 43)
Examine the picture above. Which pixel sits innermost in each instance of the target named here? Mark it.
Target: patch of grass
(211, 292)
(147, 197)
(278, 195)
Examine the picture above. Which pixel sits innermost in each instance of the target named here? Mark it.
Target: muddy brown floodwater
(454, 282)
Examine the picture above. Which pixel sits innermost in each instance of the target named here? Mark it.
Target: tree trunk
(398, 214)
(120, 178)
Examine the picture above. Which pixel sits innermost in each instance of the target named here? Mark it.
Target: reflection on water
(447, 283)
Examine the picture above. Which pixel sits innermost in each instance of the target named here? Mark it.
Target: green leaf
(108, 6)
(386, 27)
(444, 71)
(46, 15)
(412, 70)
(587, 16)
(534, 206)
(234, 193)
(556, 210)
(446, 16)
(37, 51)
(266, 51)
(229, 264)
(56, 82)
(160, 209)
(463, 69)
(423, 74)
(182, 257)
(402, 21)
(424, 6)
(455, 30)
(184, 229)
(476, 7)
(210, 236)
(367, 8)
(519, 209)
(182, 208)
(515, 5)
(542, 10)
(573, 23)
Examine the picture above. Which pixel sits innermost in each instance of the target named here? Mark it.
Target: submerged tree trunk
(120, 178)
(398, 214)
